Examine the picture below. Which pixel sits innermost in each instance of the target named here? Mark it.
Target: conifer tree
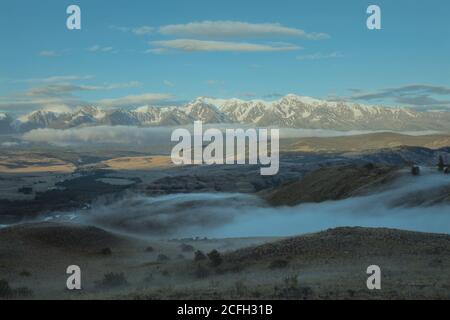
(441, 164)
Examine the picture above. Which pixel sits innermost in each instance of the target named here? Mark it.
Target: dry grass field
(326, 265)
(139, 163)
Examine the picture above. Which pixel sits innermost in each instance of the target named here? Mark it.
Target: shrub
(5, 289)
(369, 166)
(106, 251)
(112, 280)
(441, 164)
(241, 288)
(162, 258)
(148, 278)
(23, 292)
(25, 190)
(165, 273)
(25, 273)
(6, 292)
(199, 256)
(215, 258)
(186, 247)
(201, 272)
(278, 264)
(149, 249)
(291, 282)
(292, 290)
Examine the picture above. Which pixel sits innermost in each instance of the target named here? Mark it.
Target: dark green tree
(415, 170)
(441, 164)
(199, 256)
(215, 258)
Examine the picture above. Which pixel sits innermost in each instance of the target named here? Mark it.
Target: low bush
(186, 247)
(215, 258)
(106, 251)
(5, 290)
(113, 280)
(162, 258)
(25, 273)
(201, 272)
(278, 264)
(199, 256)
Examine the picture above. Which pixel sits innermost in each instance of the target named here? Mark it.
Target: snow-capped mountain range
(291, 111)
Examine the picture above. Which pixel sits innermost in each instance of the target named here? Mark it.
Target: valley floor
(127, 220)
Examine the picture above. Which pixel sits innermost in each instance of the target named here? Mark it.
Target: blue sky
(159, 52)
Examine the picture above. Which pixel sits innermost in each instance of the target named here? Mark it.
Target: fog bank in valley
(149, 136)
(222, 215)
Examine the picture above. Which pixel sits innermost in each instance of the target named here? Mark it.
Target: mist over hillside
(224, 215)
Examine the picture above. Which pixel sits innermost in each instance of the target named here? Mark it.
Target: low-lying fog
(150, 136)
(217, 215)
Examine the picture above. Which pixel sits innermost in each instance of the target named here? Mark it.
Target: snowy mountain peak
(303, 99)
(38, 115)
(144, 109)
(291, 111)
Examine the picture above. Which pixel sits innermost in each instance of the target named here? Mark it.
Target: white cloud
(423, 96)
(98, 48)
(255, 66)
(169, 83)
(213, 82)
(113, 86)
(235, 29)
(49, 53)
(228, 215)
(127, 135)
(119, 28)
(156, 50)
(135, 100)
(52, 79)
(67, 88)
(64, 78)
(191, 45)
(32, 103)
(248, 95)
(152, 136)
(9, 144)
(143, 30)
(55, 96)
(58, 108)
(140, 31)
(320, 56)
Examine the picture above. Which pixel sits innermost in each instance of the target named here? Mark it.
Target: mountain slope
(6, 123)
(372, 141)
(332, 183)
(289, 112)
